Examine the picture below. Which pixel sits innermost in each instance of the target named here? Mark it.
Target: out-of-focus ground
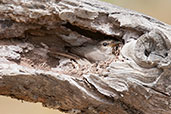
(160, 9)
(13, 106)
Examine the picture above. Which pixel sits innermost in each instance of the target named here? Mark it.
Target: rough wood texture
(64, 54)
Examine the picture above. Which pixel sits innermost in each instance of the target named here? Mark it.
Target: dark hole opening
(147, 53)
(166, 54)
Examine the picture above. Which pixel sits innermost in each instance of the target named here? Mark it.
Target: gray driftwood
(37, 63)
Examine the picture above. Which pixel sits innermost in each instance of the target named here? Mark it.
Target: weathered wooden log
(85, 56)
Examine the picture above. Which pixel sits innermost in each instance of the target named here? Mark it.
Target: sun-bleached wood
(35, 66)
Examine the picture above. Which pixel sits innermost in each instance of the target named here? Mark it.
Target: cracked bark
(34, 33)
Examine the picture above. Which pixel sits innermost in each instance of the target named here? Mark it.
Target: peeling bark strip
(85, 56)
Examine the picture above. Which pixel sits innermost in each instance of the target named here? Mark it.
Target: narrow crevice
(111, 100)
(96, 35)
(158, 91)
(107, 99)
(128, 108)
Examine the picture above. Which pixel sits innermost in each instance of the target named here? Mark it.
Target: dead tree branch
(85, 56)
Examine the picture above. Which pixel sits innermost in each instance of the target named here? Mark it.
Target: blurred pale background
(13, 106)
(159, 9)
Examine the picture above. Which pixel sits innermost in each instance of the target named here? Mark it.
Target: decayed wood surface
(65, 54)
